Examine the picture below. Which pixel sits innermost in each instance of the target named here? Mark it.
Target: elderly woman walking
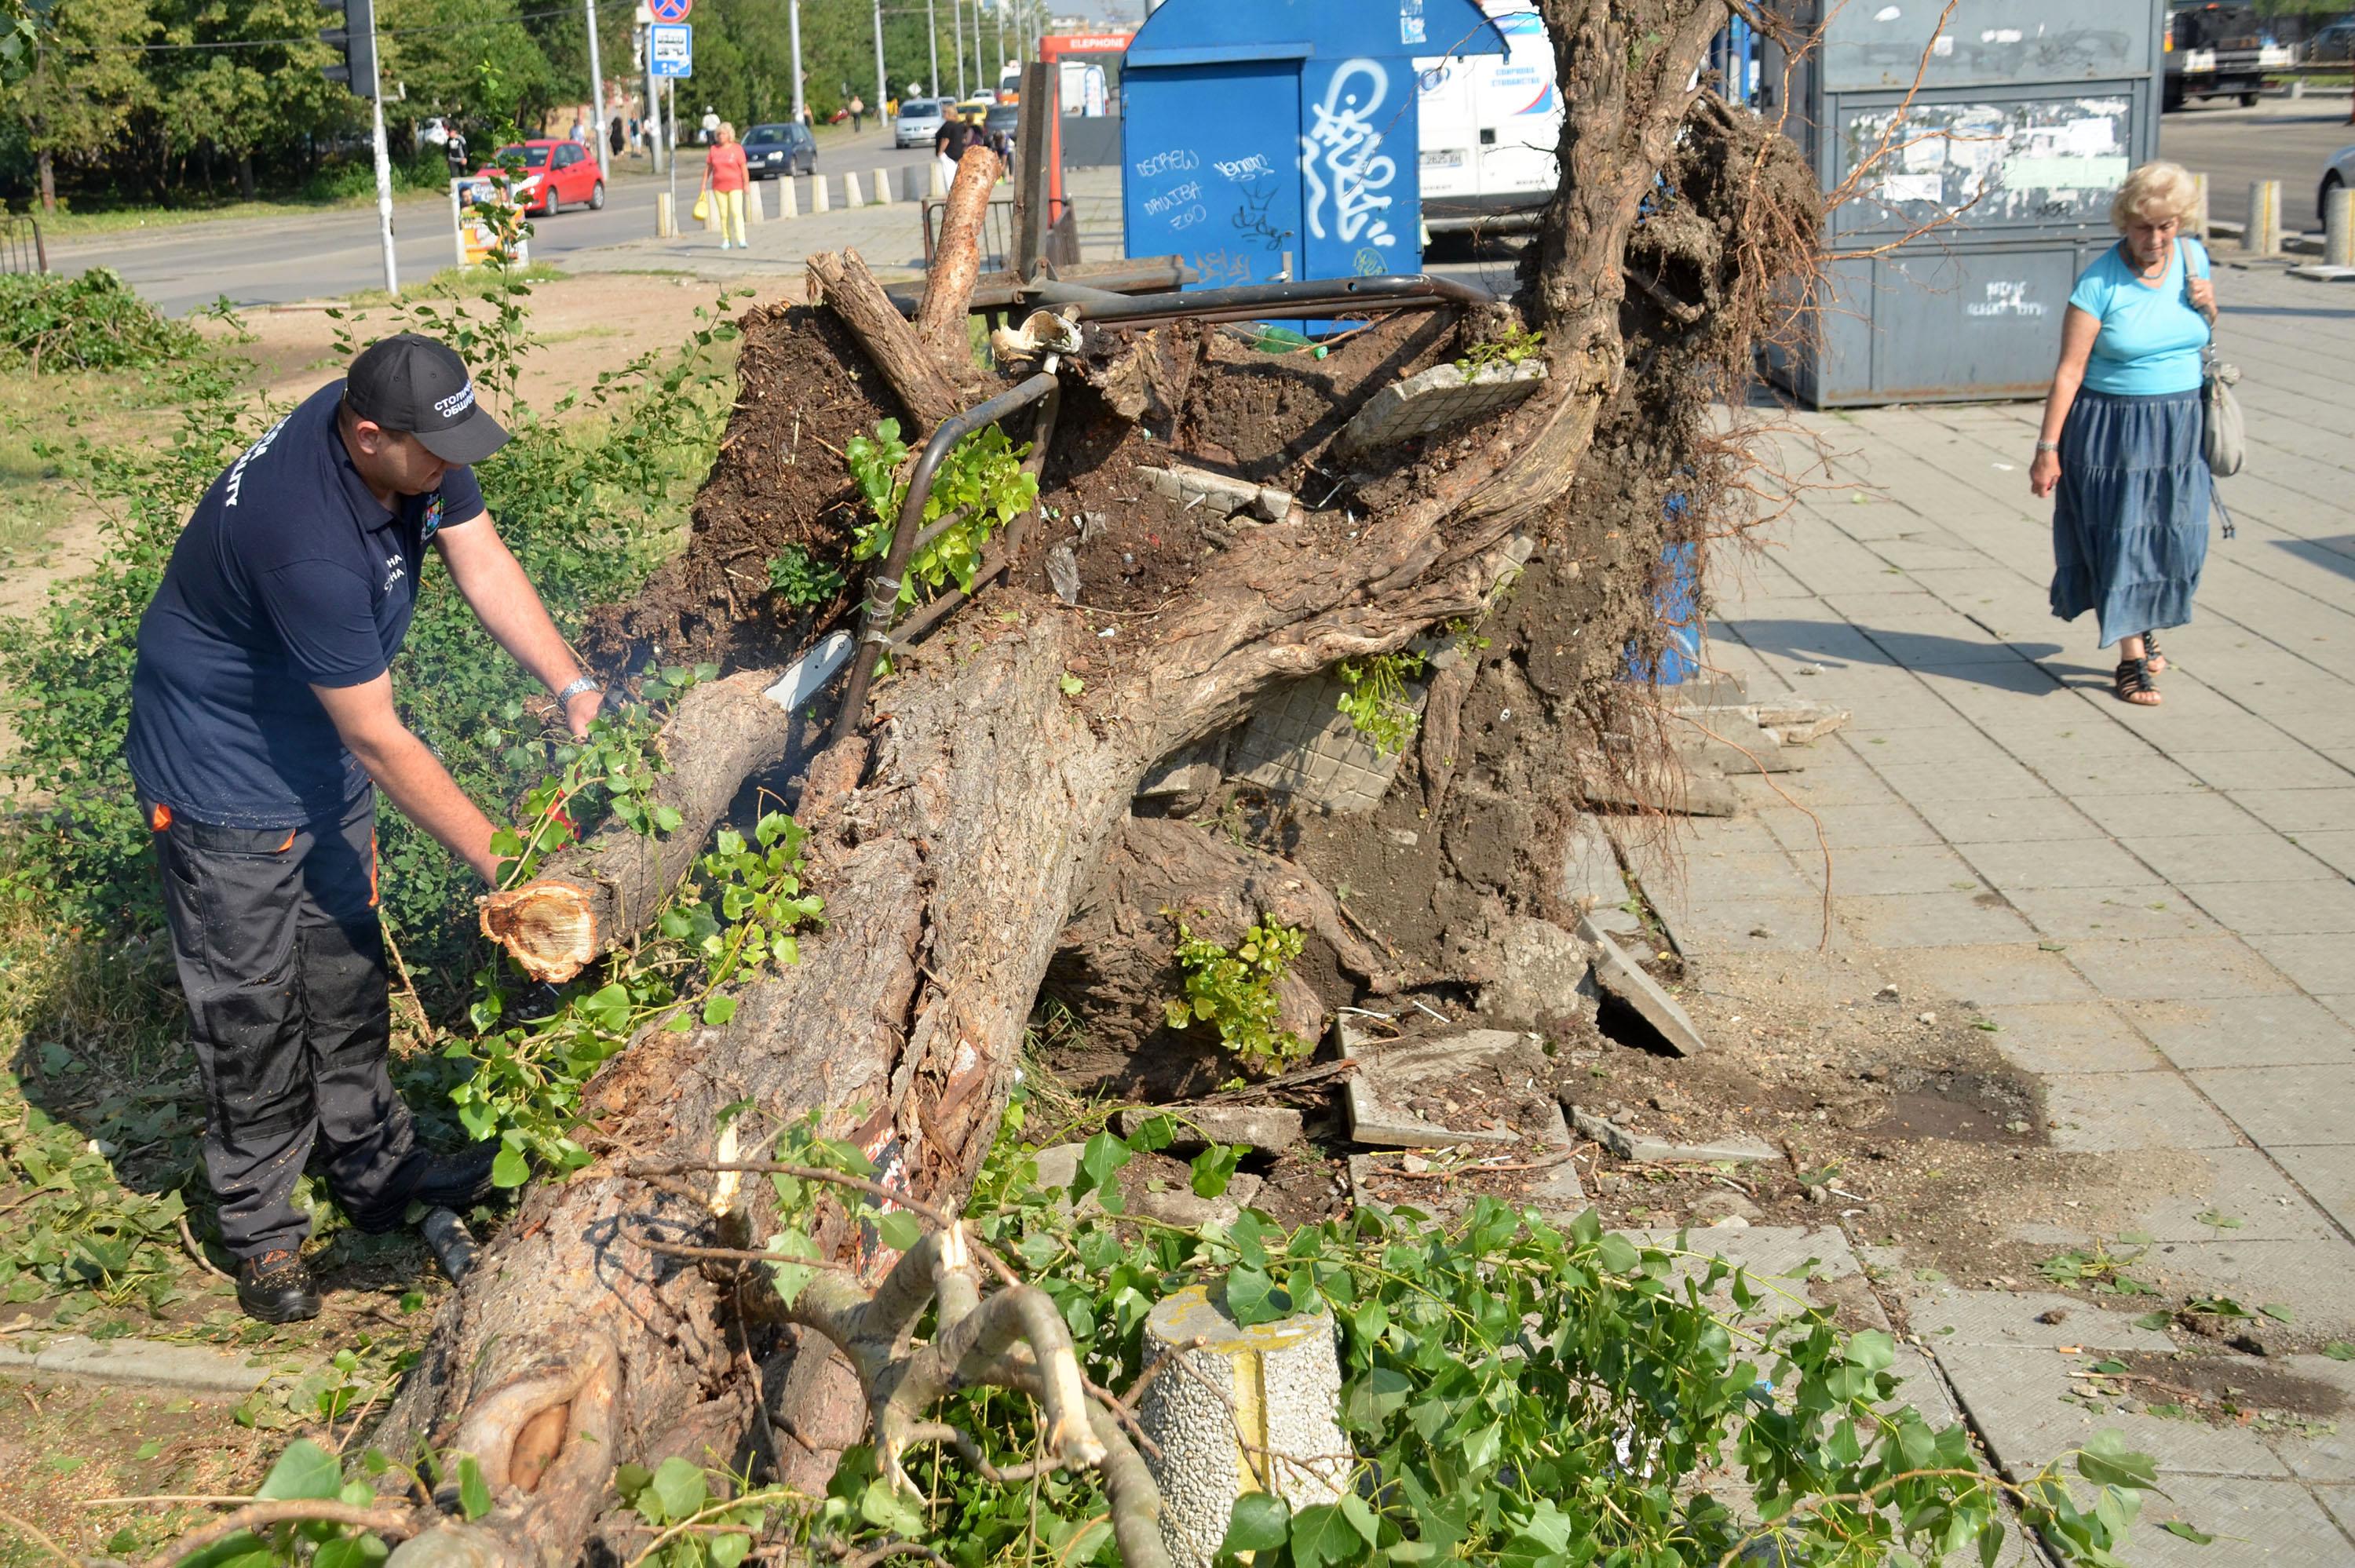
(724, 171)
(2122, 430)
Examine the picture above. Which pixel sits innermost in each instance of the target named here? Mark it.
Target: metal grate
(22, 248)
(998, 232)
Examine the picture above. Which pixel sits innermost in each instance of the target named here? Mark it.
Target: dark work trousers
(275, 933)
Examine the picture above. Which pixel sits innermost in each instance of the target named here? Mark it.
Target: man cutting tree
(261, 726)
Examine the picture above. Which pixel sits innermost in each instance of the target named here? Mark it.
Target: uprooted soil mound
(1210, 398)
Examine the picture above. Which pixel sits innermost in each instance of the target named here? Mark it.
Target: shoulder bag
(2221, 440)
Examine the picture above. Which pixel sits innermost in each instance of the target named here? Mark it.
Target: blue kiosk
(1251, 130)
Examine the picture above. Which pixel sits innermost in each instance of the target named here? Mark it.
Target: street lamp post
(956, 23)
(597, 91)
(793, 24)
(932, 37)
(882, 79)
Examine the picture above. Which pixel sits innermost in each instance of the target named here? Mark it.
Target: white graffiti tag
(1348, 148)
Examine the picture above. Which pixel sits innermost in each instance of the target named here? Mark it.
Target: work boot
(277, 1288)
(449, 1181)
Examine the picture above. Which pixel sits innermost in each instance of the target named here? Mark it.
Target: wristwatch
(2048, 446)
(578, 685)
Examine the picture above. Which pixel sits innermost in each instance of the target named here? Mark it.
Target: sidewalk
(889, 236)
(2152, 906)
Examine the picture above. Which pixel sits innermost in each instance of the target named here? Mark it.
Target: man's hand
(582, 711)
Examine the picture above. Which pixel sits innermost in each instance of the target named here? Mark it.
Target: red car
(556, 174)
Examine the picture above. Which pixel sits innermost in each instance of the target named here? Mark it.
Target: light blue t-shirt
(2151, 337)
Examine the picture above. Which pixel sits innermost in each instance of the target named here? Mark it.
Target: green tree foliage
(231, 101)
(86, 80)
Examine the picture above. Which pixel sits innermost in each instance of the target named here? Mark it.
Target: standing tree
(86, 81)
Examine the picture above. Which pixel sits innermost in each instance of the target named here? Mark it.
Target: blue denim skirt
(2130, 529)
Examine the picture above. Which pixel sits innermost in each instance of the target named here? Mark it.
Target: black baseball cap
(415, 384)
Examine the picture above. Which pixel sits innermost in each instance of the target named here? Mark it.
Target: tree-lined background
(185, 101)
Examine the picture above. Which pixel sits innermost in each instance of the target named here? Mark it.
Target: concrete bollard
(2297, 87)
(2200, 207)
(818, 202)
(753, 202)
(2263, 236)
(883, 187)
(665, 227)
(851, 197)
(789, 198)
(2339, 228)
(1274, 1387)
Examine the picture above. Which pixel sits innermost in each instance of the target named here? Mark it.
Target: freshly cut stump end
(550, 925)
(1244, 1410)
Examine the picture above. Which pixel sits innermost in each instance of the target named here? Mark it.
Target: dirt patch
(2225, 1389)
(64, 1444)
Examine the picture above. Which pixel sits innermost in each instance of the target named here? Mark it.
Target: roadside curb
(150, 1361)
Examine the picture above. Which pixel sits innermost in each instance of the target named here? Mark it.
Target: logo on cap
(457, 403)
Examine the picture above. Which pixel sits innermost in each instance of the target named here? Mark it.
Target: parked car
(556, 174)
(919, 123)
(781, 149)
(1002, 121)
(2337, 175)
(974, 111)
(2335, 42)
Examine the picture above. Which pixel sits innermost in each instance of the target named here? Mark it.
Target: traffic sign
(670, 10)
(672, 48)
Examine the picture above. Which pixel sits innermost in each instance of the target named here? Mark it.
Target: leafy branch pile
(1517, 1392)
(1234, 992)
(980, 487)
(50, 321)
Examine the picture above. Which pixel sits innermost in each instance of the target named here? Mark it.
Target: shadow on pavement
(2331, 554)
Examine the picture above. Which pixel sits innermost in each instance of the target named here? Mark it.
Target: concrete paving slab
(2181, 816)
(1988, 976)
(1391, 1071)
(2265, 1524)
(1621, 978)
(1931, 920)
(2092, 860)
(2077, 775)
(2301, 810)
(2324, 965)
(2324, 1451)
(1852, 827)
(1946, 1318)
(2143, 910)
(2176, 968)
(2283, 1031)
(2287, 769)
(2327, 1171)
(2333, 848)
(150, 1361)
(2105, 1112)
(1969, 821)
(2070, 1037)
(2223, 857)
(1900, 868)
(2307, 1278)
(2242, 1185)
(2016, 1398)
(1958, 740)
(2280, 1107)
(1996, 779)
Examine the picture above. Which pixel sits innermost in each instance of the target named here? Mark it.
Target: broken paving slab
(1591, 879)
(1621, 977)
(1436, 400)
(1946, 1317)
(1795, 721)
(1222, 493)
(150, 1361)
(1270, 1129)
(1628, 1144)
(1393, 1071)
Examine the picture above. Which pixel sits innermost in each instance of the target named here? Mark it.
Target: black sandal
(2134, 685)
(2151, 654)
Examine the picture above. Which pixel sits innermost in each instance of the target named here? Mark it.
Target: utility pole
(1000, 8)
(794, 21)
(882, 79)
(650, 122)
(932, 37)
(957, 24)
(357, 71)
(597, 91)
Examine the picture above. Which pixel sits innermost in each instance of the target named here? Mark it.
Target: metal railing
(22, 248)
(997, 243)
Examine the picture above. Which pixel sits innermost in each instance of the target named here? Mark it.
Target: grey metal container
(1984, 189)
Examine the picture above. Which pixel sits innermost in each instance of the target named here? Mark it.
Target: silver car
(919, 123)
(2337, 175)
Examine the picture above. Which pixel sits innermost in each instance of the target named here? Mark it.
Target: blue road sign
(672, 48)
(670, 10)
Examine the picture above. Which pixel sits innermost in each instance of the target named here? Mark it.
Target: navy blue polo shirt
(291, 574)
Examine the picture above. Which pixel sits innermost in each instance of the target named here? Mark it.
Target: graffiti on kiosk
(1255, 220)
(2006, 299)
(1173, 198)
(1177, 160)
(1223, 266)
(1188, 219)
(1342, 157)
(1245, 168)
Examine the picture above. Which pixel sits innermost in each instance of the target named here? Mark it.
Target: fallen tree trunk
(951, 847)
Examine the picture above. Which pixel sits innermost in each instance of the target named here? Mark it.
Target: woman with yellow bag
(723, 187)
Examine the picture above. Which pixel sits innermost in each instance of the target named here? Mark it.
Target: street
(2282, 139)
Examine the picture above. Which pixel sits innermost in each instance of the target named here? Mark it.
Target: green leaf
(1871, 1350)
(2277, 1312)
(1252, 1298)
(1072, 685)
(510, 1168)
(719, 1010)
(350, 1552)
(727, 1551)
(1259, 1523)
(304, 1473)
(474, 1495)
(900, 1230)
(679, 1484)
(2154, 1319)
(2176, 1527)
(1323, 1536)
(1214, 1169)
(2340, 1350)
(792, 1278)
(1099, 1160)
(2106, 1461)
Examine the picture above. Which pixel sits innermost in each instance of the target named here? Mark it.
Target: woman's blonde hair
(2154, 193)
(727, 133)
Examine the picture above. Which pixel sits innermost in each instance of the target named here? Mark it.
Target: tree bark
(925, 388)
(951, 863)
(956, 258)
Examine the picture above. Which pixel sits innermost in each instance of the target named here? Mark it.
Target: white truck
(1489, 126)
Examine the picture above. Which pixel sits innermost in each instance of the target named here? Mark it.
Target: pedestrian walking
(710, 124)
(616, 137)
(262, 725)
(858, 112)
(723, 174)
(2121, 438)
(949, 144)
(579, 133)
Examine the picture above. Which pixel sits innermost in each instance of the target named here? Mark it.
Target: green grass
(459, 283)
(64, 224)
